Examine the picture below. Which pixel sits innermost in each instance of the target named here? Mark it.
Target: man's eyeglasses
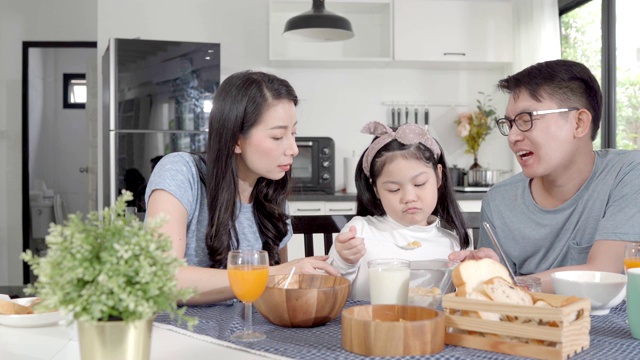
(524, 120)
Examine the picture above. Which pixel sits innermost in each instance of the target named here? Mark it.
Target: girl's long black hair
(238, 105)
(447, 208)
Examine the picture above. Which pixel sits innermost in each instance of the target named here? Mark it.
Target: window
(74, 91)
(627, 74)
(603, 36)
(581, 40)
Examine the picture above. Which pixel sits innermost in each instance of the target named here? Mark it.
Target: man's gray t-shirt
(177, 173)
(607, 207)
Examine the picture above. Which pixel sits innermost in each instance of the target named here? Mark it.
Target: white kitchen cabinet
(470, 205)
(322, 207)
(471, 33)
(370, 47)
(340, 208)
(306, 207)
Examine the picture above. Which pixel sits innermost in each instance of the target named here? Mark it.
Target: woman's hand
(481, 253)
(308, 265)
(350, 248)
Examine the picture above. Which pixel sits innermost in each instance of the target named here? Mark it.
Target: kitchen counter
(469, 195)
(340, 196)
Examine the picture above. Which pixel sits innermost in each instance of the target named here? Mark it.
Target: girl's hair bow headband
(407, 134)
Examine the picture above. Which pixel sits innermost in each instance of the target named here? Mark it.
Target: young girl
(238, 199)
(404, 190)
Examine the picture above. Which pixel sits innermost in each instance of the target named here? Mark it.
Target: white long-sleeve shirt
(379, 234)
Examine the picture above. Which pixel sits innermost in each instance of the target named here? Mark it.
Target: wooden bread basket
(556, 332)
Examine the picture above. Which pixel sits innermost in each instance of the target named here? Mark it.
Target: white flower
(463, 129)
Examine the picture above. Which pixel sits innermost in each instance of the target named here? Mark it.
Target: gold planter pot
(115, 340)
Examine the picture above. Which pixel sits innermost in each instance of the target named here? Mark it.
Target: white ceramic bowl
(604, 289)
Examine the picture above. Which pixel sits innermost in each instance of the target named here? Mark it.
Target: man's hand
(481, 253)
(350, 248)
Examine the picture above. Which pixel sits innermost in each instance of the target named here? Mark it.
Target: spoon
(412, 245)
(289, 278)
(502, 256)
(286, 280)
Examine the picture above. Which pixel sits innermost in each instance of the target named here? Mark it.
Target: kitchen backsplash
(338, 102)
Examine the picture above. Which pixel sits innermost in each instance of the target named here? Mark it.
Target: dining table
(610, 338)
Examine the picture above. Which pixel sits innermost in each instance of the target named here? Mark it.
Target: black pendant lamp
(318, 24)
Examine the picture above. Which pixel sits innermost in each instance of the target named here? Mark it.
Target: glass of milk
(389, 281)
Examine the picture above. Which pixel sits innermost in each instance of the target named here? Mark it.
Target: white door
(60, 154)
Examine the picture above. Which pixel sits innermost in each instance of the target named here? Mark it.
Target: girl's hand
(481, 253)
(308, 265)
(350, 248)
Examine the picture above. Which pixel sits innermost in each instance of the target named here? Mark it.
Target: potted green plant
(473, 127)
(113, 274)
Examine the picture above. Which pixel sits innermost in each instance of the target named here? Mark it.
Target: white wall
(26, 20)
(37, 93)
(338, 102)
(335, 102)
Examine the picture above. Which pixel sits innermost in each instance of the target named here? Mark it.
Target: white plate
(30, 320)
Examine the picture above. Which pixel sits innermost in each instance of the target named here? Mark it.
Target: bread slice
(542, 303)
(558, 303)
(11, 308)
(471, 273)
(476, 295)
(501, 290)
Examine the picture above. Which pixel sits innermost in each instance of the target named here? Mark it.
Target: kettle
(457, 175)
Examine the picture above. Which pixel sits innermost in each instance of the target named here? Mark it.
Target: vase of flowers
(473, 127)
(112, 273)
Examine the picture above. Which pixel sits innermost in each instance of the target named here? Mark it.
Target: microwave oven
(313, 170)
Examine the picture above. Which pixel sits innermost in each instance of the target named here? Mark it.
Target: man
(571, 208)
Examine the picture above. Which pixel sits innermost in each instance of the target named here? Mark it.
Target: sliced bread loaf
(471, 273)
(476, 295)
(11, 308)
(501, 290)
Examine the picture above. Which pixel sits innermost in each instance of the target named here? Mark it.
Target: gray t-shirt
(607, 207)
(177, 173)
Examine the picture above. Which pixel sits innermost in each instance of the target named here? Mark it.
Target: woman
(238, 200)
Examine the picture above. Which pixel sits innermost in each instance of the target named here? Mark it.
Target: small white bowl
(604, 289)
(429, 280)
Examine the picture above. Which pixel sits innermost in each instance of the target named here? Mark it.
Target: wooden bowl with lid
(392, 330)
(308, 300)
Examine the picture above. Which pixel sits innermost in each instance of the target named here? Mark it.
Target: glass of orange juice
(631, 255)
(248, 274)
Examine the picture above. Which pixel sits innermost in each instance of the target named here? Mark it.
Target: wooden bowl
(392, 330)
(309, 300)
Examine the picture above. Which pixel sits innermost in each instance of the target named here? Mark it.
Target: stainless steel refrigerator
(157, 99)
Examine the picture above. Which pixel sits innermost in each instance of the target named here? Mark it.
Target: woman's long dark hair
(447, 208)
(238, 105)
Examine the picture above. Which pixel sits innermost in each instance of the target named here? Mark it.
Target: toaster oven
(313, 170)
